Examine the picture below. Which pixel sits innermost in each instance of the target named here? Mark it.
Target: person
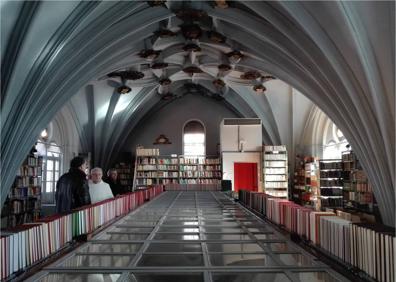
(98, 190)
(72, 189)
(114, 182)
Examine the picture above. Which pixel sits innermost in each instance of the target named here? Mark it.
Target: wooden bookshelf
(125, 175)
(176, 169)
(357, 191)
(23, 203)
(331, 183)
(306, 175)
(275, 172)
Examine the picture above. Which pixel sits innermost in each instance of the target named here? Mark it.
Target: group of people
(73, 190)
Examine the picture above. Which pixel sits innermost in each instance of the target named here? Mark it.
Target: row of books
(330, 192)
(199, 181)
(33, 161)
(274, 163)
(25, 245)
(195, 174)
(168, 161)
(369, 247)
(174, 174)
(25, 181)
(168, 167)
(165, 181)
(25, 192)
(147, 152)
(275, 148)
(360, 197)
(193, 187)
(146, 167)
(272, 184)
(29, 171)
(199, 160)
(331, 174)
(147, 161)
(275, 170)
(275, 177)
(359, 187)
(276, 157)
(330, 165)
(331, 182)
(145, 174)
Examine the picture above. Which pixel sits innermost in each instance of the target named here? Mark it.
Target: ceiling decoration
(221, 4)
(191, 47)
(159, 65)
(165, 33)
(191, 31)
(156, 3)
(191, 14)
(149, 54)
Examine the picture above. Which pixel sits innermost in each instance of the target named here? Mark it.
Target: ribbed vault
(339, 54)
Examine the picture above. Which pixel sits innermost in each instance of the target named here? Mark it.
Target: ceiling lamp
(165, 81)
(159, 65)
(221, 4)
(191, 47)
(218, 84)
(224, 67)
(124, 89)
(191, 14)
(234, 56)
(250, 75)
(165, 33)
(216, 37)
(167, 96)
(259, 88)
(156, 3)
(191, 31)
(149, 54)
(191, 70)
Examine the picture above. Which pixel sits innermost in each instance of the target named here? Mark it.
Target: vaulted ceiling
(339, 54)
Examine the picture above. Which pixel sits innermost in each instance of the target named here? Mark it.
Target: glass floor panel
(234, 248)
(79, 277)
(111, 248)
(171, 260)
(98, 261)
(189, 236)
(166, 277)
(171, 247)
(242, 260)
(250, 277)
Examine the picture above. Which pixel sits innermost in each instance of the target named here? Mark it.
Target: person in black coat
(114, 182)
(72, 189)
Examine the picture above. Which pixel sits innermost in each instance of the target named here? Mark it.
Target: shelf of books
(125, 175)
(275, 173)
(146, 170)
(168, 169)
(357, 192)
(177, 172)
(365, 249)
(23, 203)
(331, 184)
(306, 182)
(200, 170)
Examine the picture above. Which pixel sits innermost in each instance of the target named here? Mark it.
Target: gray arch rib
(54, 93)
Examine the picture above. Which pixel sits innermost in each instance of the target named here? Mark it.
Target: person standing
(98, 190)
(114, 182)
(72, 189)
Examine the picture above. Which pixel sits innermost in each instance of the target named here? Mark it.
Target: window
(194, 138)
(334, 147)
(52, 159)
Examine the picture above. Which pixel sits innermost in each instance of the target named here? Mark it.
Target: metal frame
(187, 210)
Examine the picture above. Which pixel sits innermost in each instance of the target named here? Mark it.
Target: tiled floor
(189, 236)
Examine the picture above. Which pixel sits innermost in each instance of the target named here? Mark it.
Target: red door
(245, 176)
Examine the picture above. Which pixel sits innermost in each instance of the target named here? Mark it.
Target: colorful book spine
(25, 245)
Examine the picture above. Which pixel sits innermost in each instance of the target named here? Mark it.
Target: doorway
(245, 176)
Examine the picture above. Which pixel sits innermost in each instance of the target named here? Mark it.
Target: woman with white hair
(98, 190)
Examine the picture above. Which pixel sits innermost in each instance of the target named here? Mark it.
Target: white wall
(250, 135)
(171, 119)
(248, 157)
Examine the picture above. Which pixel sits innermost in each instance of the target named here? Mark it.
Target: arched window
(334, 147)
(194, 138)
(52, 162)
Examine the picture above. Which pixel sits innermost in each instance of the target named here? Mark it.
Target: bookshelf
(168, 169)
(357, 191)
(305, 190)
(275, 172)
(151, 169)
(124, 172)
(331, 183)
(23, 203)
(199, 170)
